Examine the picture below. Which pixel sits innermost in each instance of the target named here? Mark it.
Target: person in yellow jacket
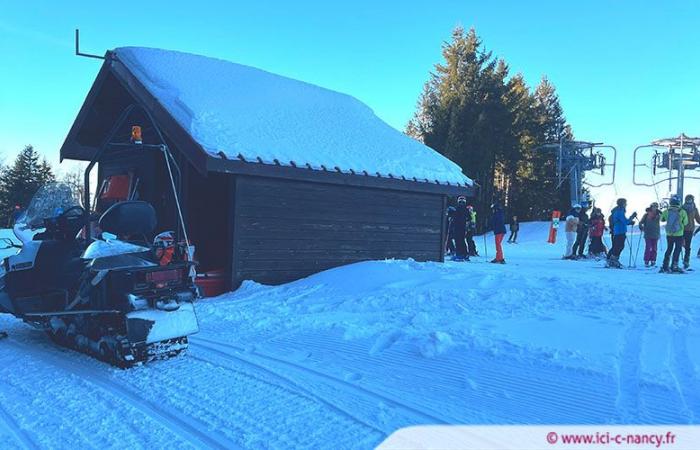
(676, 220)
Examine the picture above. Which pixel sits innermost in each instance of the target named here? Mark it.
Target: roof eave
(216, 164)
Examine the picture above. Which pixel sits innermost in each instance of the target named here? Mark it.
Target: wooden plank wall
(286, 230)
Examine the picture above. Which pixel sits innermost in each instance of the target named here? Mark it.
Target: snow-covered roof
(253, 115)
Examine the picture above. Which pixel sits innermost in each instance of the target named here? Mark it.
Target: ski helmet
(675, 200)
(577, 206)
(689, 198)
(461, 199)
(621, 201)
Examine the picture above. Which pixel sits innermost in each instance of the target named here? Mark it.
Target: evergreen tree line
(20, 180)
(490, 123)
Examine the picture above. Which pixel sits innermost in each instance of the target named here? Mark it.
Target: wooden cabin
(278, 179)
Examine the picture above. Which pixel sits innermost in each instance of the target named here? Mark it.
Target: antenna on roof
(77, 47)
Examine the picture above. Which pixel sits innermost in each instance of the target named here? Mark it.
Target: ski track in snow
(12, 429)
(318, 376)
(629, 373)
(196, 436)
(309, 396)
(688, 380)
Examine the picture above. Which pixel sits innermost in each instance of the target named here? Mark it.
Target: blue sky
(627, 72)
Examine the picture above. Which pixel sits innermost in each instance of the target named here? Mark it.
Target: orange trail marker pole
(554, 227)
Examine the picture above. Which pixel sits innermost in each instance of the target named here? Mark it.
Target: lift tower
(574, 158)
(670, 159)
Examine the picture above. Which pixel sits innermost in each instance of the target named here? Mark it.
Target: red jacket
(597, 227)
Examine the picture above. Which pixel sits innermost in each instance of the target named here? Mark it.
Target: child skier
(619, 222)
(692, 211)
(499, 231)
(676, 219)
(597, 228)
(571, 230)
(651, 226)
(514, 228)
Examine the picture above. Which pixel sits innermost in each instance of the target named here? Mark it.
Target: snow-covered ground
(343, 358)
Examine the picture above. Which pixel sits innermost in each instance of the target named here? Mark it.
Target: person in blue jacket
(619, 223)
(498, 221)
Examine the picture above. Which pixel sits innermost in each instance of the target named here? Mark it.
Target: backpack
(673, 224)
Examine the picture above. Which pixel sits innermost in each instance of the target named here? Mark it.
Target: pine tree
(20, 181)
(491, 125)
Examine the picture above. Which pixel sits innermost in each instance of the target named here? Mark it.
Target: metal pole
(681, 171)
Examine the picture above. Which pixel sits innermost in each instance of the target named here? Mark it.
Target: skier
(651, 226)
(471, 231)
(581, 234)
(597, 227)
(514, 228)
(571, 230)
(450, 244)
(693, 215)
(676, 219)
(619, 229)
(499, 231)
(459, 225)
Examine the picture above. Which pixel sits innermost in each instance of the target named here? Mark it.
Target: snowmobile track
(687, 380)
(12, 428)
(629, 374)
(180, 427)
(342, 384)
(298, 390)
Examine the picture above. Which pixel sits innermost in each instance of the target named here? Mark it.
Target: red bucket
(211, 283)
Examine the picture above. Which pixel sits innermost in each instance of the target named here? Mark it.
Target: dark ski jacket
(514, 226)
(651, 224)
(692, 211)
(583, 222)
(450, 221)
(460, 217)
(498, 221)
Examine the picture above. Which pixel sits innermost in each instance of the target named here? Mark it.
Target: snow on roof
(254, 115)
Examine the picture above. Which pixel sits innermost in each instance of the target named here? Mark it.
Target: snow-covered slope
(241, 110)
(345, 357)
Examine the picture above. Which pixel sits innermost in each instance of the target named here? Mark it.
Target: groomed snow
(345, 357)
(241, 110)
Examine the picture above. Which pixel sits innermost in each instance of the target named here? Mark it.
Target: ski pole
(486, 249)
(636, 254)
(629, 244)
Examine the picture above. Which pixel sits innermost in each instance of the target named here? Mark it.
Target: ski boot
(613, 263)
(664, 269)
(498, 261)
(676, 269)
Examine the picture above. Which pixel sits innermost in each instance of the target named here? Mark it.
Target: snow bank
(241, 110)
(571, 319)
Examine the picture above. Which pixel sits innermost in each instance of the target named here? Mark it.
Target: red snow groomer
(99, 281)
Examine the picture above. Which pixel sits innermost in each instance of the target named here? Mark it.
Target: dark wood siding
(285, 230)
